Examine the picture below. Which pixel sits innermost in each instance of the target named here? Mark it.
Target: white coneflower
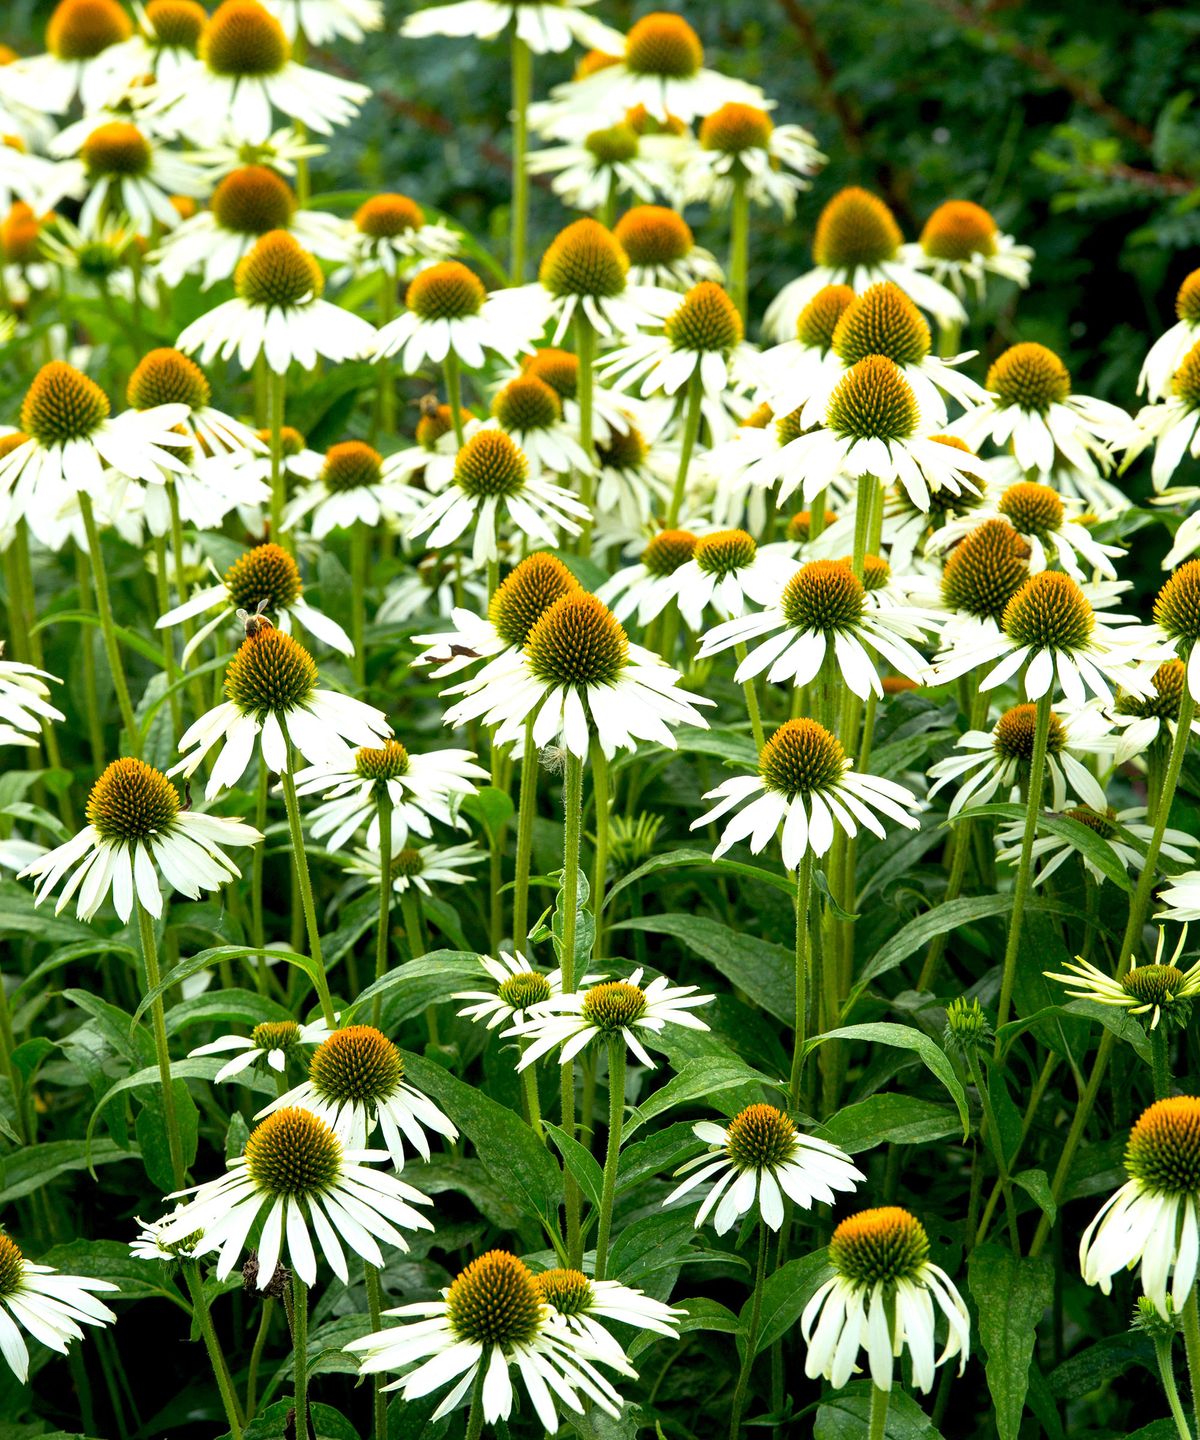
(1145, 721)
(961, 245)
(1173, 426)
(1180, 898)
(518, 988)
(806, 787)
(448, 311)
(275, 703)
(24, 701)
(759, 1157)
(490, 1319)
(821, 610)
(614, 1009)
(531, 411)
(998, 759)
(419, 788)
(248, 203)
(1049, 629)
(585, 269)
(577, 1304)
(884, 1298)
(352, 489)
(493, 481)
(418, 867)
(84, 59)
(391, 234)
(1158, 990)
(858, 243)
(546, 26)
(271, 1043)
(1045, 521)
(727, 569)
(1168, 351)
(166, 38)
(244, 74)
(523, 596)
(1153, 1220)
(872, 424)
(1177, 617)
(320, 21)
(356, 1084)
(578, 675)
(120, 170)
(149, 1245)
(264, 581)
(805, 363)
(303, 1183)
(633, 483)
(739, 142)
(49, 1306)
(278, 313)
(661, 66)
(168, 377)
(70, 439)
(1063, 438)
(610, 162)
(137, 831)
(646, 588)
(1126, 832)
(662, 250)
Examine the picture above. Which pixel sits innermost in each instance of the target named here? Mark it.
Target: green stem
(276, 385)
(526, 813)
(739, 243)
(360, 540)
(161, 1051)
(107, 625)
(454, 395)
(585, 350)
(691, 429)
(386, 391)
(383, 927)
(260, 1341)
(300, 1354)
(1133, 930)
(864, 511)
(1033, 811)
(203, 1314)
(170, 663)
(1191, 1341)
(879, 1409)
(750, 690)
(803, 972)
(756, 1299)
(91, 692)
(949, 337)
(304, 882)
(573, 824)
(993, 1137)
(1166, 1371)
(616, 1113)
(186, 627)
(375, 1311)
(1160, 1060)
(257, 922)
(8, 1045)
(475, 1414)
(522, 89)
(533, 1104)
(601, 800)
(954, 883)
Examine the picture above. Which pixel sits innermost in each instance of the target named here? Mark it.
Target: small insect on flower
(1153, 1220)
(760, 1157)
(137, 830)
(491, 1318)
(50, 1306)
(613, 1008)
(884, 1298)
(1160, 990)
(298, 1180)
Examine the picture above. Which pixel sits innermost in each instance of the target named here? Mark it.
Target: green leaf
(662, 1240)
(889, 1120)
(129, 638)
(201, 1068)
(580, 1161)
(19, 916)
(846, 1415)
(236, 1006)
(703, 1078)
(784, 1297)
(905, 1037)
(1011, 1293)
(1036, 1185)
(29, 1169)
(210, 959)
(1079, 837)
(507, 1147)
(921, 930)
(419, 983)
(684, 859)
(492, 808)
(764, 971)
(151, 1131)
